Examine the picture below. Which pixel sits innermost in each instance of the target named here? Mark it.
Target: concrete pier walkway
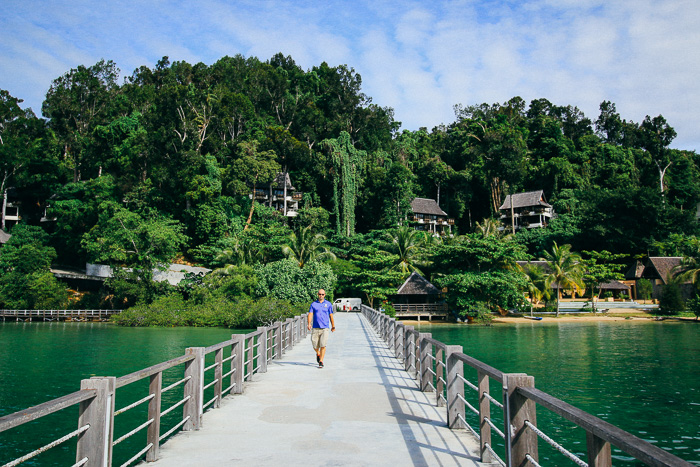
(361, 409)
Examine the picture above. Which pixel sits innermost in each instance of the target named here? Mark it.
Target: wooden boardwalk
(361, 409)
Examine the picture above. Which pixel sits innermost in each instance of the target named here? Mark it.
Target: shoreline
(622, 314)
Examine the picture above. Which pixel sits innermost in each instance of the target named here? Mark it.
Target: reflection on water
(640, 376)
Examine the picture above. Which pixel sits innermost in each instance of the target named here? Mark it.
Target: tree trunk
(4, 207)
(252, 208)
(662, 173)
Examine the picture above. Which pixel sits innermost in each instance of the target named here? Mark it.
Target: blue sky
(420, 57)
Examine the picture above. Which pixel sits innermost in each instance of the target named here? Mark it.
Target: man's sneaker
(320, 364)
(318, 359)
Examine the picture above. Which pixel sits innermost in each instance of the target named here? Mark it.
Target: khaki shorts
(319, 337)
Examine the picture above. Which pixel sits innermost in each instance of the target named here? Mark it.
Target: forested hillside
(160, 164)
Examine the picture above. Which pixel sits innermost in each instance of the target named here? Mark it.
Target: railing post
(154, 408)
(391, 333)
(262, 350)
(599, 454)
(97, 412)
(407, 336)
(455, 387)
(399, 341)
(194, 369)
(237, 347)
(218, 371)
(520, 440)
(439, 376)
(425, 377)
(287, 334)
(278, 339)
(250, 358)
(484, 413)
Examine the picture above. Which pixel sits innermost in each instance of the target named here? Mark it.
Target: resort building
(528, 210)
(418, 298)
(428, 216)
(281, 195)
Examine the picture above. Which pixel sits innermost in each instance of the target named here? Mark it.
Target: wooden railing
(422, 308)
(235, 362)
(57, 315)
(439, 368)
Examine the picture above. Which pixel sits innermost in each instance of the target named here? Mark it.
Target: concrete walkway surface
(361, 409)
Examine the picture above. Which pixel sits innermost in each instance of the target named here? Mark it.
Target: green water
(640, 376)
(42, 361)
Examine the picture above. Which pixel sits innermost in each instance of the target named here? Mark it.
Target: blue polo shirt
(322, 313)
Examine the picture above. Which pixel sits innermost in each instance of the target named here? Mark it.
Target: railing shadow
(417, 417)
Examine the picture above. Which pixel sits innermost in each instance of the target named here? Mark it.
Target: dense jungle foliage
(159, 167)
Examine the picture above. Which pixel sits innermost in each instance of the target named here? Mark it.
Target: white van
(347, 304)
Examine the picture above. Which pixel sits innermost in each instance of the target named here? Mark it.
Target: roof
(521, 200)
(662, 265)
(4, 236)
(426, 206)
(417, 285)
(635, 271)
(279, 179)
(613, 285)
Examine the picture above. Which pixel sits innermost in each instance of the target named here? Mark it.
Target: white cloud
(418, 57)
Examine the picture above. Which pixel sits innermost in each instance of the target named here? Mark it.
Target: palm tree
(408, 245)
(305, 246)
(537, 287)
(689, 269)
(242, 251)
(488, 227)
(566, 270)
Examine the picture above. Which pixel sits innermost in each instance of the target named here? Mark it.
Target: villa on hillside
(427, 216)
(281, 195)
(528, 210)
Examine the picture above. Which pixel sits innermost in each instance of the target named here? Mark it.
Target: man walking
(320, 320)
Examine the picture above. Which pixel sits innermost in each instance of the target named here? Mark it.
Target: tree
(536, 283)
(304, 246)
(253, 167)
(286, 280)
(601, 268)
(347, 167)
(141, 242)
(566, 270)
(18, 144)
(76, 104)
(406, 244)
(26, 281)
(657, 135)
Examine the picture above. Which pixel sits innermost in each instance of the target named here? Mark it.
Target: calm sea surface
(42, 361)
(643, 377)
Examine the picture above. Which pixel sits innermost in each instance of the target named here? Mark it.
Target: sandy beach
(620, 314)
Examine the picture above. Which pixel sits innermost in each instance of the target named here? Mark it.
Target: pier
(388, 395)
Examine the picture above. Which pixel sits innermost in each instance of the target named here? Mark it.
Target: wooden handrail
(32, 413)
(638, 448)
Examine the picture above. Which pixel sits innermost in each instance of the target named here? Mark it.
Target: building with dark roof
(418, 298)
(529, 210)
(281, 195)
(428, 216)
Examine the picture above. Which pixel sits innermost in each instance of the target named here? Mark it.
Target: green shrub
(216, 311)
(671, 302)
(389, 310)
